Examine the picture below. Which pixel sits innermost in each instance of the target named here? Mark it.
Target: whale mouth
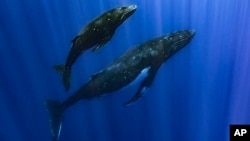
(189, 35)
(192, 32)
(132, 7)
(129, 11)
(184, 38)
(181, 35)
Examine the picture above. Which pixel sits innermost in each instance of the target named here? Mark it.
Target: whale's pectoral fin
(102, 42)
(146, 83)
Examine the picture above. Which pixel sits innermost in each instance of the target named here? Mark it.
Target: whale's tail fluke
(65, 71)
(56, 114)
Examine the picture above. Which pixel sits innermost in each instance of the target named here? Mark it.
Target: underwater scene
(123, 70)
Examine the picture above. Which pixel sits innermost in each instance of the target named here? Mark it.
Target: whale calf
(97, 33)
(145, 58)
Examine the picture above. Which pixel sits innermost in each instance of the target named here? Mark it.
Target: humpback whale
(147, 57)
(97, 33)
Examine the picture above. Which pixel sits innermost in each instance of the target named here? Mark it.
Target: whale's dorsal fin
(73, 40)
(96, 74)
(146, 83)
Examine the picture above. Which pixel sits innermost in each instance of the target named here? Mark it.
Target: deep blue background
(196, 95)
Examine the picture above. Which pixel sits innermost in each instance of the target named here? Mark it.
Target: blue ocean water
(195, 96)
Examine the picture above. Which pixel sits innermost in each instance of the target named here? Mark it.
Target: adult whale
(147, 57)
(98, 32)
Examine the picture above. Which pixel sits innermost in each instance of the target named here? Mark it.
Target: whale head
(120, 14)
(179, 39)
